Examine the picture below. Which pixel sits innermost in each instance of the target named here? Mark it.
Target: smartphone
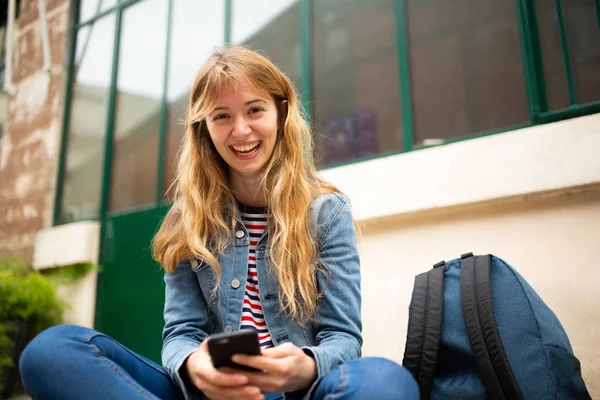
(222, 346)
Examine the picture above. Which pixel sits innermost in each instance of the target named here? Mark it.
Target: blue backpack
(477, 330)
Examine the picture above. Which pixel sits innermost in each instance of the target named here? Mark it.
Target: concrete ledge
(67, 244)
(532, 160)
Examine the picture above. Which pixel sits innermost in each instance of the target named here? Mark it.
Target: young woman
(254, 240)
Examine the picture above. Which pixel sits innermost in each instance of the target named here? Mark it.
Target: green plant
(31, 296)
(27, 295)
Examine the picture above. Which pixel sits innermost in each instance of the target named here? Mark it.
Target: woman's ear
(283, 113)
(283, 107)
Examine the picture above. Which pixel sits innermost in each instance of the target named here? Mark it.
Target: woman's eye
(220, 116)
(255, 110)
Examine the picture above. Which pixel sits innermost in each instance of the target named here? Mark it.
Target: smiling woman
(249, 207)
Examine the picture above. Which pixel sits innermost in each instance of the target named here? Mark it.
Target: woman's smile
(246, 151)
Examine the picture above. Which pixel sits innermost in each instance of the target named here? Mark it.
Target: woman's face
(243, 128)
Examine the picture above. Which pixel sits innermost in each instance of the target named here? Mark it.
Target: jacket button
(239, 234)
(228, 329)
(235, 283)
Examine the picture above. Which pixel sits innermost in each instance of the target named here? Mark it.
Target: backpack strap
(425, 327)
(480, 321)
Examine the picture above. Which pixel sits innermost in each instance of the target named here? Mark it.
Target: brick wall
(30, 148)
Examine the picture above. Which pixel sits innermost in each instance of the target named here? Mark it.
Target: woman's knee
(50, 348)
(385, 379)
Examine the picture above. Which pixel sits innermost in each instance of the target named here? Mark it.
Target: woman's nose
(241, 126)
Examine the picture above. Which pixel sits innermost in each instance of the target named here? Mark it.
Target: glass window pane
(555, 75)
(466, 68)
(184, 62)
(583, 35)
(87, 124)
(355, 80)
(272, 27)
(139, 99)
(89, 8)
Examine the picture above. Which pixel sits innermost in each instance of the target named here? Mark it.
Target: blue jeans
(71, 362)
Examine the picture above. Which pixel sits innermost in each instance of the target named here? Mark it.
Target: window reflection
(466, 68)
(582, 21)
(355, 80)
(87, 123)
(139, 99)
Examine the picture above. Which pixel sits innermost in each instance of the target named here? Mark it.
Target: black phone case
(222, 346)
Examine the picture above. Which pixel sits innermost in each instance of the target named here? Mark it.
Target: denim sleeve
(338, 326)
(186, 322)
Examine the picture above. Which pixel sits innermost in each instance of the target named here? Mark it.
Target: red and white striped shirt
(255, 221)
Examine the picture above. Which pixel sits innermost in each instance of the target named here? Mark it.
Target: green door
(130, 299)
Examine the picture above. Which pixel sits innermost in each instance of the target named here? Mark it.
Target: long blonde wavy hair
(202, 219)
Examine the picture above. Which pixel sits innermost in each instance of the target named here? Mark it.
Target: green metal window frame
(531, 57)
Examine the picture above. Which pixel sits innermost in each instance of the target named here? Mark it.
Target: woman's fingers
(284, 350)
(227, 386)
(267, 382)
(275, 375)
(219, 378)
(203, 368)
(285, 368)
(219, 384)
(261, 363)
(226, 393)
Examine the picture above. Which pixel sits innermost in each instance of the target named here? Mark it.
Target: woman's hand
(286, 368)
(216, 384)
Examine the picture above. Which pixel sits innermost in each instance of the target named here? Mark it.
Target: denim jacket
(192, 313)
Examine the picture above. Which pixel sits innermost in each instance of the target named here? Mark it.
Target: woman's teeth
(245, 149)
